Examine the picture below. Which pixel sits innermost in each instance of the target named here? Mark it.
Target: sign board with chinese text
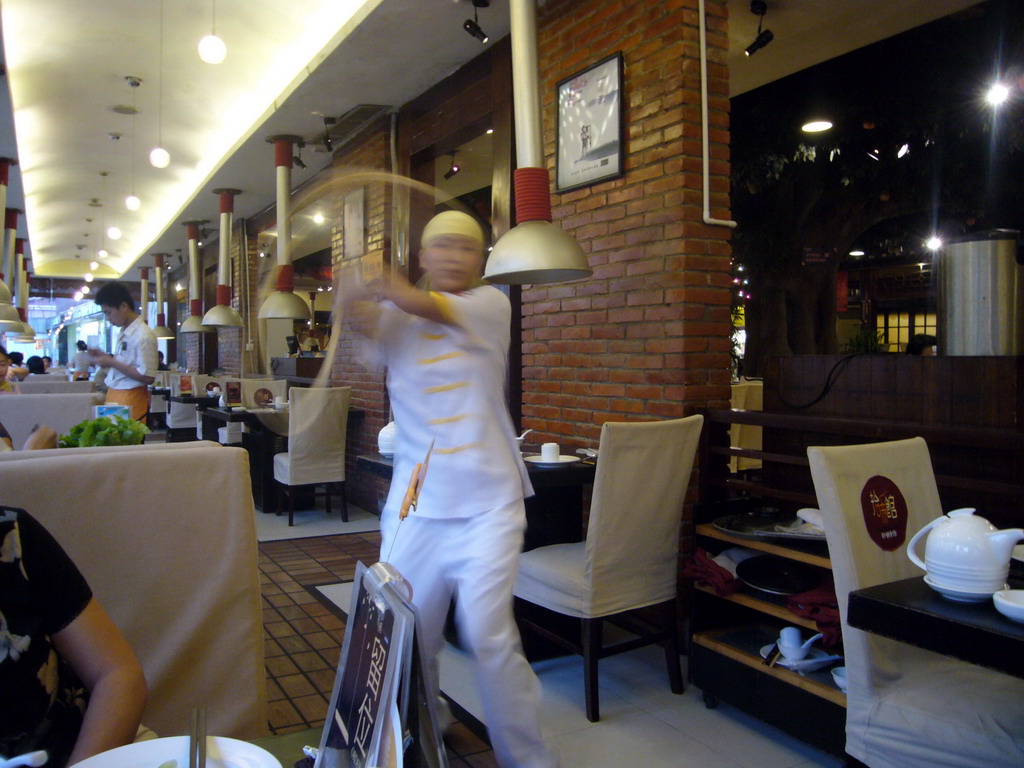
(379, 671)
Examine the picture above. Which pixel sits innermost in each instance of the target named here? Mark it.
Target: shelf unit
(728, 633)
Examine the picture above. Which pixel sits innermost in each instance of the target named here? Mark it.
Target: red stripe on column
(5, 171)
(224, 295)
(282, 153)
(11, 218)
(144, 271)
(19, 246)
(227, 202)
(192, 231)
(285, 278)
(195, 307)
(533, 201)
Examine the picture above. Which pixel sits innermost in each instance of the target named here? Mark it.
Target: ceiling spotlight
(472, 26)
(453, 169)
(94, 265)
(856, 253)
(318, 218)
(997, 94)
(113, 233)
(933, 243)
(132, 203)
(88, 277)
(816, 126)
(102, 253)
(903, 151)
(297, 159)
(85, 290)
(328, 144)
(759, 8)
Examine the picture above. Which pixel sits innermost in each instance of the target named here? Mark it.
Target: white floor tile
(635, 740)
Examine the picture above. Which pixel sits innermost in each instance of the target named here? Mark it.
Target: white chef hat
(452, 223)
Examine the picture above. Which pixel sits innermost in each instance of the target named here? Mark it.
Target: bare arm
(102, 658)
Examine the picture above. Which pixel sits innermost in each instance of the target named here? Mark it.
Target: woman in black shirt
(71, 684)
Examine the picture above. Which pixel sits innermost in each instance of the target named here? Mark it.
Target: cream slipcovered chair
(906, 706)
(631, 555)
(317, 423)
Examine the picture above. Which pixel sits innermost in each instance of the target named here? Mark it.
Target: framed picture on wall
(355, 235)
(590, 139)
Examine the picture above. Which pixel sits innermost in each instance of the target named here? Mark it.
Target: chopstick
(197, 738)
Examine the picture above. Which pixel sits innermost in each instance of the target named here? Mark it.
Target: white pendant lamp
(161, 331)
(10, 319)
(194, 323)
(222, 314)
(535, 250)
(283, 303)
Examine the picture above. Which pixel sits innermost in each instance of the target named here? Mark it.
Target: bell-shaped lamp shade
(220, 316)
(10, 320)
(536, 252)
(194, 324)
(284, 305)
(163, 332)
(6, 297)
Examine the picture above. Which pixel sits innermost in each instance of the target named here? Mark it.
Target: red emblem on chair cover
(885, 512)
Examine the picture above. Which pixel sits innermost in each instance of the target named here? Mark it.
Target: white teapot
(965, 553)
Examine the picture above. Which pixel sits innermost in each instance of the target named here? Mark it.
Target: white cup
(790, 636)
(549, 452)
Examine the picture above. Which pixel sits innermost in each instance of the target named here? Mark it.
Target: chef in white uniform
(446, 355)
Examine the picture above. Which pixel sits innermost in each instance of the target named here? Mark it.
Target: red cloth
(821, 605)
(707, 572)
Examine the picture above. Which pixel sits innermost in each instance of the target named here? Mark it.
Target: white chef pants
(476, 559)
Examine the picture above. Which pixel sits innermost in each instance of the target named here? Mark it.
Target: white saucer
(561, 460)
(816, 658)
(959, 596)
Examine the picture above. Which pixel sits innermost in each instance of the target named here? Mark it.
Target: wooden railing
(980, 467)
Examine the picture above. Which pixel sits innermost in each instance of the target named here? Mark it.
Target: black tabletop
(202, 400)
(542, 476)
(912, 612)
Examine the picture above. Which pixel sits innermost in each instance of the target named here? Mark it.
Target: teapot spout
(1004, 541)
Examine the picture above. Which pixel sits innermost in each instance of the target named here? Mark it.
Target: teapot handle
(911, 547)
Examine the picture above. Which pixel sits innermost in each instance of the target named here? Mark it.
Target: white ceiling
(289, 64)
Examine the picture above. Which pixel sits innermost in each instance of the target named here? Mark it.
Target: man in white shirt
(81, 363)
(134, 361)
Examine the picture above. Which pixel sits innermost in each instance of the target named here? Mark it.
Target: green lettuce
(104, 431)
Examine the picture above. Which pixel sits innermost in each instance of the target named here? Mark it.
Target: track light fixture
(453, 169)
(759, 8)
(329, 122)
(472, 26)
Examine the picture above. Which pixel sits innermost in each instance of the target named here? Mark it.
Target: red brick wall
(647, 336)
(370, 150)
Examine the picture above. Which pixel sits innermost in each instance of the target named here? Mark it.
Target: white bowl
(839, 678)
(1010, 603)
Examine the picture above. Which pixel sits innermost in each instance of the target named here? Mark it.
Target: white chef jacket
(446, 383)
(136, 346)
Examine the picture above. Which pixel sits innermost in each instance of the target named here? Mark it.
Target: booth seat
(173, 562)
(21, 413)
(22, 455)
(53, 384)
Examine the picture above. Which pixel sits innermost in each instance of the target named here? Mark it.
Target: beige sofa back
(21, 413)
(23, 455)
(52, 384)
(167, 540)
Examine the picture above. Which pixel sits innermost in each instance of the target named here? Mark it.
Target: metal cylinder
(981, 295)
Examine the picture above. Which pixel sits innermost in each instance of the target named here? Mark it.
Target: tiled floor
(642, 722)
